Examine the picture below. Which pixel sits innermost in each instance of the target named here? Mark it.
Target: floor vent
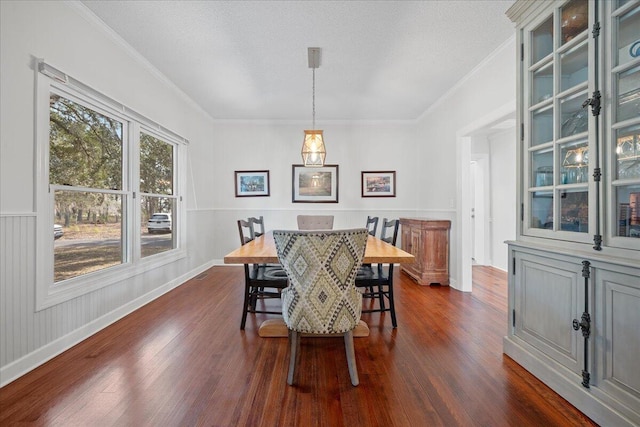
(201, 276)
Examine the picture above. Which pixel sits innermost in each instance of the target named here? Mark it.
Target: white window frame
(48, 294)
(138, 129)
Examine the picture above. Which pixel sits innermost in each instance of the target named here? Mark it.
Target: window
(107, 188)
(85, 178)
(157, 202)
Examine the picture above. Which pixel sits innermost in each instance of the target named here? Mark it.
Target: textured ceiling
(381, 60)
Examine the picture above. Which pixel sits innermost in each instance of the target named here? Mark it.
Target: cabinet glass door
(556, 67)
(625, 120)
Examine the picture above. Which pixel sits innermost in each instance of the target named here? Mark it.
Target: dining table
(262, 250)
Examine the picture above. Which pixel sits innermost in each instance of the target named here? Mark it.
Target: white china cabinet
(574, 279)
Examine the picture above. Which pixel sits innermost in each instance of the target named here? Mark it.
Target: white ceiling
(381, 60)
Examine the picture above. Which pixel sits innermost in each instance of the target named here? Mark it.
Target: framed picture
(378, 183)
(252, 183)
(315, 185)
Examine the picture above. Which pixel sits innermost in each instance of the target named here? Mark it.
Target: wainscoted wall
(29, 338)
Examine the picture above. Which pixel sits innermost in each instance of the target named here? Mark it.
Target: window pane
(629, 36)
(629, 94)
(542, 84)
(92, 233)
(542, 127)
(574, 67)
(574, 20)
(542, 40)
(157, 225)
(575, 118)
(575, 162)
(622, 3)
(85, 147)
(542, 209)
(628, 152)
(574, 211)
(628, 200)
(156, 165)
(542, 168)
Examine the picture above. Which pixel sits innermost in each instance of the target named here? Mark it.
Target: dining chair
(246, 231)
(378, 281)
(321, 298)
(259, 222)
(372, 225)
(315, 222)
(261, 281)
(257, 228)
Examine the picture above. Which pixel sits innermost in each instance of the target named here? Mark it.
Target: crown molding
(99, 24)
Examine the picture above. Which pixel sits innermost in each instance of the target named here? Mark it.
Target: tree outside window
(87, 166)
(85, 176)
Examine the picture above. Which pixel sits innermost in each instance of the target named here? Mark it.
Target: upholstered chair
(321, 297)
(315, 222)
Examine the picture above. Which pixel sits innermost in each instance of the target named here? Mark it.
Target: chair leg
(245, 307)
(381, 297)
(294, 339)
(392, 306)
(254, 297)
(351, 358)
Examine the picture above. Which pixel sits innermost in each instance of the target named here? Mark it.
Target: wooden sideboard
(427, 240)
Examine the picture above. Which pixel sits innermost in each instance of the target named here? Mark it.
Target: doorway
(480, 212)
(477, 239)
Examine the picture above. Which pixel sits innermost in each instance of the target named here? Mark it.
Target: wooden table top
(263, 250)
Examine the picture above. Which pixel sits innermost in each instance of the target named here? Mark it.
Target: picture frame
(252, 183)
(314, 184)
(378, 183)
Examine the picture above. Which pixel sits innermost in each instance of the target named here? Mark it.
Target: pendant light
(313, 150)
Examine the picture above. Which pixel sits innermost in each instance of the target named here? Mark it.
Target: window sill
(49, 295)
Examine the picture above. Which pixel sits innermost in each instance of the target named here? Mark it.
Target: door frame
(464, 138)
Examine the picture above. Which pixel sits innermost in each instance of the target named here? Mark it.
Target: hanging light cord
(314, 99)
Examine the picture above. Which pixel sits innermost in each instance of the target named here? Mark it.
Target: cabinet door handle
(584, 325)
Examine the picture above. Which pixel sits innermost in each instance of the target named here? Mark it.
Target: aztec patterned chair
(321, 297)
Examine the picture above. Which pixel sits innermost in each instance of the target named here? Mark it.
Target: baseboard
(29, 362)
(565, 382)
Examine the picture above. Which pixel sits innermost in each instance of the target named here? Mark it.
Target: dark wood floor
(182, 361)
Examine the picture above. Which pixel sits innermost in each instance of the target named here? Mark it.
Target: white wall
(275, 146)
(503, 195)
(69, 39)
(490, 87)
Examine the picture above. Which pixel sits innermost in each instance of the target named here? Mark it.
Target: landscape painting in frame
(315, 184)
(378, 184)
(252, 183)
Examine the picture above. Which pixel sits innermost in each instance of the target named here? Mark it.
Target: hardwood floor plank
(183, 361)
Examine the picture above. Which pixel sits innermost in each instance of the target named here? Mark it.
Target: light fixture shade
(313, 151)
